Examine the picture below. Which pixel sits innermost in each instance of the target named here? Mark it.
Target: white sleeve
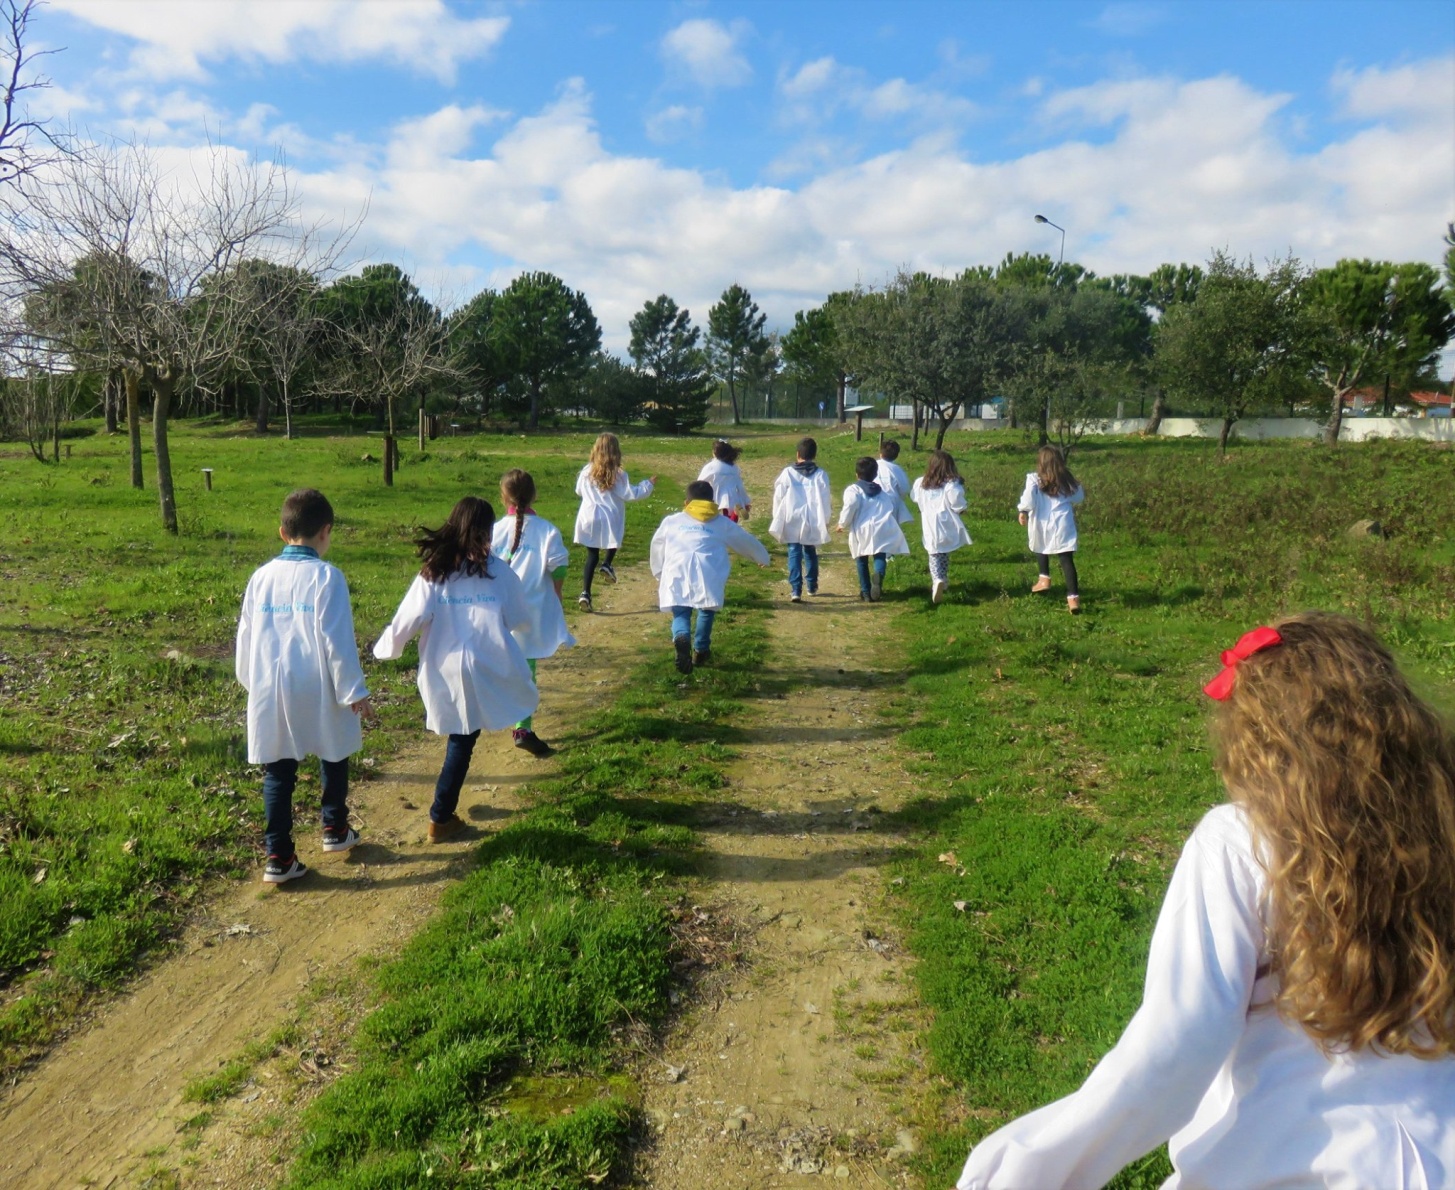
(850, 509)
(413, 614)
(742, 499)
(1028, 495)
(517, 604)
(336, 618)
(1078, 495)
(244, 648)
(659, 549)
(635, 491)
(557, 555)
(581, 483)
(955, 496)
(825, 496)
(740, 541)
(1200, 976)
(780, 491)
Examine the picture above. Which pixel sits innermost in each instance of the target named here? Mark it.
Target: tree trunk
(110, 399)
(287, 412)
(1044, 435)
(1336, 419)
(733, 399)
(947, 416)
(389, 460)
(161, 409)
(1388, 408)
(535, 405)
(133, 424)
(55, 429)
(914, 433)
(1159, 411)
(843, 387)
(1223, 437)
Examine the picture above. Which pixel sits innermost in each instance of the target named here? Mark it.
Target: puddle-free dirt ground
(798, 1068)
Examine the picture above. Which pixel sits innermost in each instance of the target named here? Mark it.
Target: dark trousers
(279, 779)
(452, 776)
(862, 562)
(1068, 569)
(802, 563)
(593, 560)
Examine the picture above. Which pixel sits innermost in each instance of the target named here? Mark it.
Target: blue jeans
(682, 626)
(452, 776)
(279, 779)
(862, 562)
(797, 554)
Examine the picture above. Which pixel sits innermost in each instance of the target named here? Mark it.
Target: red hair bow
(1248, 644)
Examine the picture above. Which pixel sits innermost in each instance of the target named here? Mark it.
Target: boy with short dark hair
(802, 504)
(892, 478)
(690, 558)
(299, 662)
(871, 516)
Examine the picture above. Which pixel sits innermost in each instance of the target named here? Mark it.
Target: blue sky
(637, 148)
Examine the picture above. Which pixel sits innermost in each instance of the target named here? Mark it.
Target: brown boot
(1043, 583)
(443, 832)
(1073, 604)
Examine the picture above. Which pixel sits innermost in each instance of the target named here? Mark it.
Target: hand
(365, 710)
(747, 511)
(1023, 518)
(652, 479)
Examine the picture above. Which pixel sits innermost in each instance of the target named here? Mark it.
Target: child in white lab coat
(802, 505)
(473, 675)
(604, 489)
(1297, 1026)
(871, 516)
(727, 481)
(892, 478)
(690, 560)
(1047, 509)
(298, 661)
(534, 549)
(940, 494)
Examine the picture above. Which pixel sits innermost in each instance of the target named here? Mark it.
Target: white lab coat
(540, 552)
(298, 660)
(892, 478)
(473, 674)
(802, 505)
(940, 510)
(872, 522)
(1246, 1098)
(601, 520)
(690, 559)
(1051, 522)
(727, 484)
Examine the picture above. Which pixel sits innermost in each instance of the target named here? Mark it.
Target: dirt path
(105, 1108)
(802, 1067)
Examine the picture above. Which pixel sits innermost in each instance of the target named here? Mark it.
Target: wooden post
(422, 417)
(207, 477)
(68, 450)
(388, 460)
(859, 426)
(881, 441)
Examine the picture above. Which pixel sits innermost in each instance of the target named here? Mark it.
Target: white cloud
(1129, 19)
(1187, 167)
(673, 123)
(1424, 89)
(820, 90)
(707, 52)
(175, 40)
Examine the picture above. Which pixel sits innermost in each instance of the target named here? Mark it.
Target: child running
(473, 674)
(690, 558)
(871, 516)
(601, 521)
(940, 494)
(1047, 508)
(535, 551)
(298, 661)
(892, 478)
(1297, 1026)
(727, 481)
(802, 505)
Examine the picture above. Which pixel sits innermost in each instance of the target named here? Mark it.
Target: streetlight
(1062, 230)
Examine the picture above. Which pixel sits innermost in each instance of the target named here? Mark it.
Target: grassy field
(1062, 760)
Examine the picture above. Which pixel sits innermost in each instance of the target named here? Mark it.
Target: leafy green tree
(734, 336)
(665, 347)
(1375, 319)
(810, 353)
(544, 334)
(281, 333)
(1450, 261)
(612, 390)
(471, 331)
(1244, 340)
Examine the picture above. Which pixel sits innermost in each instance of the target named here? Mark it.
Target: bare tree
(160, 295)
(27, 144)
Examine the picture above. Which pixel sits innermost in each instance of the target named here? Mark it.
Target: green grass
(1062, 761)
(123, 786)
(495, 1057)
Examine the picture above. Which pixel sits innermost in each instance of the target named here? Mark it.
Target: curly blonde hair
(1349, 780)
(605, 461)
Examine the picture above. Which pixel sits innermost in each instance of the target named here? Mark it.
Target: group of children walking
(486, 604)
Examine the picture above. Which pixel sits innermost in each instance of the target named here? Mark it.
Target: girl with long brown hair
(940, 494)
(473, 674)
(1298, 1022)
(727, 480)
(604, 488)
(1047, 509)
(533, 548)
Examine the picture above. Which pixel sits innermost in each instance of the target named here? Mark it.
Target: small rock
(842, 1173)
(735, 1124)
(1365, 529)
